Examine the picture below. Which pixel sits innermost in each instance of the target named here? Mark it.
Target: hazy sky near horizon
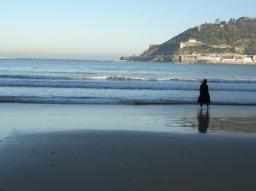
(98, 29)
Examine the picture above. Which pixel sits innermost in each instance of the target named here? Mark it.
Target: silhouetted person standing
(204, 98)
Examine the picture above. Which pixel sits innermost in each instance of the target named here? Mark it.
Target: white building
(192, 40)
(210, 59)
(247, 60)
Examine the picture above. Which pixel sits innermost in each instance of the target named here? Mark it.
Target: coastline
(191, 60)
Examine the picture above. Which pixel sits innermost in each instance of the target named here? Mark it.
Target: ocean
(115, 82)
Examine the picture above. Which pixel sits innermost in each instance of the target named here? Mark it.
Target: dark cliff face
(235, 36)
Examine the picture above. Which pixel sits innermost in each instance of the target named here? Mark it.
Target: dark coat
(204, 97)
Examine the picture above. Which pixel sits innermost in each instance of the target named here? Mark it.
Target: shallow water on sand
(36, 118)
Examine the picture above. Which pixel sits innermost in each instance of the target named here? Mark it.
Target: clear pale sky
(103, 29)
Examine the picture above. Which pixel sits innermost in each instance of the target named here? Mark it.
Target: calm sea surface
(114, 82)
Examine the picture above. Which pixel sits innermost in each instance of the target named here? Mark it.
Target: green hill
(232, 37)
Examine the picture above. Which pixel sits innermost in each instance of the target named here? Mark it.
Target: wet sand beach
(40, 149)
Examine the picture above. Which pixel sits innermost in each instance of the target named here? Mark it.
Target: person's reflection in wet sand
(203, 121)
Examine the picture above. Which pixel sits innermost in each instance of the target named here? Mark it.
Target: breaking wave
(108, 100)
(118, 78)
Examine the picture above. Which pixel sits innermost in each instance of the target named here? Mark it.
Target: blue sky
(103, 29)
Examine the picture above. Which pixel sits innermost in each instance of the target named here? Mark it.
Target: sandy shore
(122, 160)
(44, 148)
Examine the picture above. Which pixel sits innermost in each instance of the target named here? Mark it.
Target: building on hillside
(187, 58)
(192, 40)
(189, 42)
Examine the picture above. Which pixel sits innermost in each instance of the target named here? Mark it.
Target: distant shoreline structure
(197, 59)
(232, 42)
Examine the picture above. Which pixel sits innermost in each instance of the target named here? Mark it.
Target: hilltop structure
(221, 42)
